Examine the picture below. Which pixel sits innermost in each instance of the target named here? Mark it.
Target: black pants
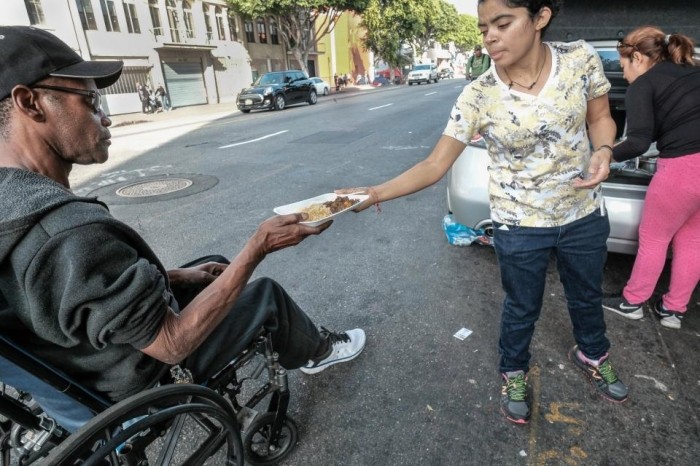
(262, 304)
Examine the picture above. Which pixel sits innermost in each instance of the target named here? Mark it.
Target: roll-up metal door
(185, 83)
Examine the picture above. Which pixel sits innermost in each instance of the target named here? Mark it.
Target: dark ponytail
(659, 46)
(680, 49)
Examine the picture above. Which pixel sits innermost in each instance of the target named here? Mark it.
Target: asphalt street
(417, 395)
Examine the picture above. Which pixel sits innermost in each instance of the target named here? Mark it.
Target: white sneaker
(669, 319)
(345, 346)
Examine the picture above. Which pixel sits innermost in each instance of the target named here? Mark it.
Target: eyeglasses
(622, 45)
(95, 97)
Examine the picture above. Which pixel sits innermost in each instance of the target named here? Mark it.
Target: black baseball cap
(29, 54)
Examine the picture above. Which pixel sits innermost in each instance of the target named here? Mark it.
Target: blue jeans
(523, 255)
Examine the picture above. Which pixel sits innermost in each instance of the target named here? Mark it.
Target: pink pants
(671, 214)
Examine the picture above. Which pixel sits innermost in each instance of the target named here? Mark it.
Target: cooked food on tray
(326, 209)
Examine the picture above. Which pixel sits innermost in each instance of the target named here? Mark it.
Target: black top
(663, 105)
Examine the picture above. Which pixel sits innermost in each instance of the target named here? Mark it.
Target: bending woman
(663, 105)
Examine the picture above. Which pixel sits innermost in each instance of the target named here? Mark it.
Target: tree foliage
(301, 23)
(391, 24)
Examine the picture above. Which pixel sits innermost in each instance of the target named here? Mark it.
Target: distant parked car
(447, 73)
(322, 87)
(424, 73)
(276, 90)
(380, 81)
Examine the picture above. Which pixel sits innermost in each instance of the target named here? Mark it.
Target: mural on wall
(359, 58)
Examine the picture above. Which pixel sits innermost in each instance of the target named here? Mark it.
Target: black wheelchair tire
(258, 430)
(161, 408)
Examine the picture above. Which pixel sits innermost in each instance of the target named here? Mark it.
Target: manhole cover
(154, 187)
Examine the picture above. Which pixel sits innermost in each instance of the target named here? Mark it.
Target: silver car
(624, 191)
(424, 73)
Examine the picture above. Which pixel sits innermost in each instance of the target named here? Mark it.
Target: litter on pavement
(461, 235)
(463, 333)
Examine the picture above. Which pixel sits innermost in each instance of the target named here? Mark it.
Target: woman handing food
(533, 108)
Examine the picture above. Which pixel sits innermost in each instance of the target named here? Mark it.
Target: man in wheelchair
(85, 293)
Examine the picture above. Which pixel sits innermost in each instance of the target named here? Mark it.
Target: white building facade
(192, 47)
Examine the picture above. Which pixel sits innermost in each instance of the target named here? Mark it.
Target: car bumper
(254, 102)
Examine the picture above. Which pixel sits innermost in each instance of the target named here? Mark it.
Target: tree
(390, 25)
(467, 34)
(301, 23)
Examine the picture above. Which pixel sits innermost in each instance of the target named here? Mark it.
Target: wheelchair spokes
(170, 420)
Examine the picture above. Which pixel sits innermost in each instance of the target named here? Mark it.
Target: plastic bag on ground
(460, 235)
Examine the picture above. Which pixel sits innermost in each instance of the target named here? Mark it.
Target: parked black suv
(276, 90)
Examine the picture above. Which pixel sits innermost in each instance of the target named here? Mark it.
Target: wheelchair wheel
(169, 425)
(261, 448)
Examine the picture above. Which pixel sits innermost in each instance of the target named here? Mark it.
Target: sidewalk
(208, 112)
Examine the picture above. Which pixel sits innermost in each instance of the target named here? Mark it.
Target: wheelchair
(179, 423)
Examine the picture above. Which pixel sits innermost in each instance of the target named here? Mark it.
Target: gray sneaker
(669, 319)
(515, 399)
(601, 374)
(345, 346)
(623, 307)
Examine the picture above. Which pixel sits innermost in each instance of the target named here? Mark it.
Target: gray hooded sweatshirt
(83, 291)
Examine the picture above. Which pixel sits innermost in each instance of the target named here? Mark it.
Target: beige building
(200, 50)
(193, 47)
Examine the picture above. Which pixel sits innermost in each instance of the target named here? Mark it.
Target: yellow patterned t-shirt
(537, 144)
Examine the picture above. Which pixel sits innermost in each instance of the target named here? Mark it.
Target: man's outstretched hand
(283, 231)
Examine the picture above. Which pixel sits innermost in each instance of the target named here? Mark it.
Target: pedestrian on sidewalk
(663, 105)
(163, 98)
(145, 97)
(544, 201)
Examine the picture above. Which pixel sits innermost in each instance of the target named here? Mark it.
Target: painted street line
(254, 140)
(431, 93)
(381, 106)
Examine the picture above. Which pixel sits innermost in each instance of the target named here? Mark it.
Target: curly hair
(659, 46)
(534, 7)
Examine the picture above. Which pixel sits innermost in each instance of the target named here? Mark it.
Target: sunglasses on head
(95, 97)
(622, 45)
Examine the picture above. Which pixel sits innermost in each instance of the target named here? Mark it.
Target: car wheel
(313, 97)
(325, 91)
(279, 102)
(245, 110)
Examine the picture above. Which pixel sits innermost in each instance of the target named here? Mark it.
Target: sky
(465, 6)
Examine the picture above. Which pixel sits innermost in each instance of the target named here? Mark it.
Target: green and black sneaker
(601, 374)
(515, 402)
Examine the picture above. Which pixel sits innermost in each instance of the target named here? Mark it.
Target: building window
(207, 21)
(233, 25)
(249, 33)
(173, 21)
(262, 35)
(155, 17)
(274, 34)
(189, 21)
(132, 21)
(35, 11)
(220, 23)
(110, 15)
(87, 16)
